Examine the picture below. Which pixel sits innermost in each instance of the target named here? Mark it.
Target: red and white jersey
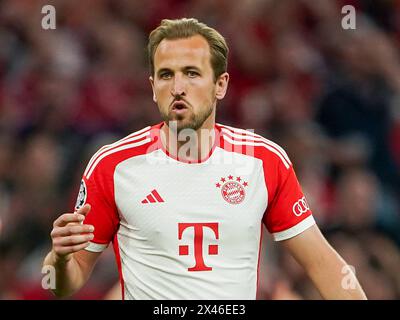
(191, 230)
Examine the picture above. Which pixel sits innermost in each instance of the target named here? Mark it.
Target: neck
(187, 144)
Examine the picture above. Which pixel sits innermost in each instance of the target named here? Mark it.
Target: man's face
(183, 83)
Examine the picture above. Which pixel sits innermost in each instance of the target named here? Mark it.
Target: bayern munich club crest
(232, 189)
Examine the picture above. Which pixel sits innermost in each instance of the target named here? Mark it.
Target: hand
(69, 235)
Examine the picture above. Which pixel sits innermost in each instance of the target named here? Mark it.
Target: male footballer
(183, 201)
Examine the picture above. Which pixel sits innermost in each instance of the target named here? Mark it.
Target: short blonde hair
(186, 28)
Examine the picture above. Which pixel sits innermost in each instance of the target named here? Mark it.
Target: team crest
(232, 189)
(81, 196)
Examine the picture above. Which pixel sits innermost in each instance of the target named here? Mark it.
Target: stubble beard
(191, 121)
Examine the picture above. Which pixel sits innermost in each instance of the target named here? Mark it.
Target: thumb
(84, 210)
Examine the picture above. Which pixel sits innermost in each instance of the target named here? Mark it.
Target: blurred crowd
(329, 96)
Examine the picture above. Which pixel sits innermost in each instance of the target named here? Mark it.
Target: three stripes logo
(153, 197)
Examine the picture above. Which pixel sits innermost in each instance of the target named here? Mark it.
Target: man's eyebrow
(162, 70)
(191, 68)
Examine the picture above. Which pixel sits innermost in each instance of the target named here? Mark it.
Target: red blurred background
(329, 96)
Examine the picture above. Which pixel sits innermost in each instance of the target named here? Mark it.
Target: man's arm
(73, 265)
(324, 265)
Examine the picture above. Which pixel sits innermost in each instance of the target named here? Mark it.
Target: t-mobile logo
(198, 243)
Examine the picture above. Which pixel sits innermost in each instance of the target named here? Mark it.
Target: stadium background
(330, 97)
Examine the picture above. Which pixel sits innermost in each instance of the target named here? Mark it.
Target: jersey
(185, 230)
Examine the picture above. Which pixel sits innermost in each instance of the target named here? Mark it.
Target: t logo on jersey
(198, 243)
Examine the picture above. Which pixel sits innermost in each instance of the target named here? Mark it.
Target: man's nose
(178, 88)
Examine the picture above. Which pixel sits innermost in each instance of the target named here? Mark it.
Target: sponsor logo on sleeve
(300, 207)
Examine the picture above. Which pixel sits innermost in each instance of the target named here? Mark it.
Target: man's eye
(166, 75)
(192, 74)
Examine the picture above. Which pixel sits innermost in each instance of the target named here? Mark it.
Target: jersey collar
(155, 136)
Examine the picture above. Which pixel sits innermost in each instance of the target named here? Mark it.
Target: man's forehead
(195, 50)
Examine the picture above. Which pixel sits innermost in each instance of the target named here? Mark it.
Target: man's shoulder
(110, 155)
(250, 143)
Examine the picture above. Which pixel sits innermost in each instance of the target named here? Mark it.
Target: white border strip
(256, 139)
(257, 144)
(295, 230)
(96, 247)
(246, 134)
(131, 137)
(107, 153)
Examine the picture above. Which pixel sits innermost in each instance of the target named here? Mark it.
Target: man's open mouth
(179, 106)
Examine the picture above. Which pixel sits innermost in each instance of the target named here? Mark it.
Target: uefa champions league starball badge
(232, 189)
(81, 196)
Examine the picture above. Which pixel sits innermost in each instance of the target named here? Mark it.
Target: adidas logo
(153, 197)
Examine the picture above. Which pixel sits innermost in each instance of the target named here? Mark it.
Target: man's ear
(152, 87)
(221, 86)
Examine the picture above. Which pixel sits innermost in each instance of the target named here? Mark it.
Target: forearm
(69, 275)
(71, 262)
(335, 280)
(328, 271)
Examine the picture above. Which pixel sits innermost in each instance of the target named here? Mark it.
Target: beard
(190, 120)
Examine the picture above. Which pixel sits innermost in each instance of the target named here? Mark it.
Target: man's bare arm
(324, 265)
(72, 264)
